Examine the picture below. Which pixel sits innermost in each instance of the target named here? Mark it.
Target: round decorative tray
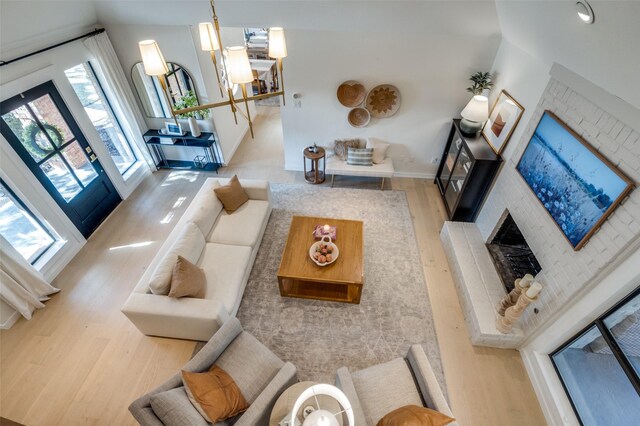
(383, 101)
(359, 117)
(325, 241)
(351, 93)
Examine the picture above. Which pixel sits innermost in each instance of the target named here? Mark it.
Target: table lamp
(474, 115)
(320, 416)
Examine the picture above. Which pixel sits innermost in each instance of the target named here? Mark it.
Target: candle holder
(510, 299)
(505, 323)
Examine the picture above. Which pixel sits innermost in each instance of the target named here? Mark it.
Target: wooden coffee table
(340, 281)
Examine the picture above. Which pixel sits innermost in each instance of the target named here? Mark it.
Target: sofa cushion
(232, 195)
(415, 415)
(214, 394)
(189, 244)
(243, 227)
(187, 280)
(173, 408)
(360, 157)
(205, 207)
(385, 387)
(379, 149)
(251, 365)
(225, 267)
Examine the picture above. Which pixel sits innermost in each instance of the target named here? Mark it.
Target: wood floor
(80, 361)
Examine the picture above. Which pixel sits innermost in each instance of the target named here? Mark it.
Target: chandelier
(235, 68)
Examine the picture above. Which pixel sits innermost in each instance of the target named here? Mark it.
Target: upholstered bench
(383, 168)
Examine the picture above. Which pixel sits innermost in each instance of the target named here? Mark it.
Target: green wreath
(30, 139)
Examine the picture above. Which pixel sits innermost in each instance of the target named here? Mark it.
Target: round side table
(287, 400)
(314, 174)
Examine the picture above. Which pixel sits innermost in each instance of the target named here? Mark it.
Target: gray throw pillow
(360, 157)
(173, 408)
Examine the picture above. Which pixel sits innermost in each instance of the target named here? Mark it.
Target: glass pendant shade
(238, 65)
(477, 109)
(277, 44)
(152, 58)
(208, 39)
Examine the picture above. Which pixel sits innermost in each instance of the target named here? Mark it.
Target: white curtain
(21, 286)
(115, 80)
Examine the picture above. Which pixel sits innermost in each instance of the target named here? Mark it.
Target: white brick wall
(564, 271)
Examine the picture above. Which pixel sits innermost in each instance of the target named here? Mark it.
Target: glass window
(97, 107)
(624, 325)
(599, 368)
(21, 229)
(43, 131)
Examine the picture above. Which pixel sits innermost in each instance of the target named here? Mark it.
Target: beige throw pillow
(379, 149)
(415, 416)
(341, 147)
(188, 244)
(187, 280)
(232, 195)
(214, 394)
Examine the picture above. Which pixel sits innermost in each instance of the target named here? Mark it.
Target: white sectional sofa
(223, 245)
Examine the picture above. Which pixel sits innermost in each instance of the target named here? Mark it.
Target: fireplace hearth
(511, 254)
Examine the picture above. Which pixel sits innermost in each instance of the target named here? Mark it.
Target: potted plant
(189, 100)
(481, 82)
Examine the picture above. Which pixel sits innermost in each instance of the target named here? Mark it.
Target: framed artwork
(575, 184)
(504, 117)
(172, 128)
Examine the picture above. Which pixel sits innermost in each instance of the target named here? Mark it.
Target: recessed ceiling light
(585, 13)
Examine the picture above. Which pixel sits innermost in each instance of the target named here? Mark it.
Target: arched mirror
(179, 83)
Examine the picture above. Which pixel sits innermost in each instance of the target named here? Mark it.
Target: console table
(156, 142)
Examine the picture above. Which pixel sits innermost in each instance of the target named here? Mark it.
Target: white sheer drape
(21, 286)
(115, 80)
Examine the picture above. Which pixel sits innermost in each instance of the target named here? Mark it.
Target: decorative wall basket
(359, 117)
(351, 93)
(383, 101)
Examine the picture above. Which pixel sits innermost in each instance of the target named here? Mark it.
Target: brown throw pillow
(341, 147)
(187, 280)
(412, 415)
(214, 394)
(232, 195)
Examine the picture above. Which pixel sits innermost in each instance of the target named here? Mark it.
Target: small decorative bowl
(359, 117)
(326, 240)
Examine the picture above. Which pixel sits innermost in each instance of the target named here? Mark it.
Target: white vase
(193, 126)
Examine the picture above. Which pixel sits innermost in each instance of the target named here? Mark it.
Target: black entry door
(40, 128)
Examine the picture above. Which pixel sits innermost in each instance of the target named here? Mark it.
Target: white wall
(427, 49)
(604, 53)
(26, 26)
(429, 70)
(524, 78)
(592, 73)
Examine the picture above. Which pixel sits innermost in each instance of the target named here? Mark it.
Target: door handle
(93, 158)
(88, 149)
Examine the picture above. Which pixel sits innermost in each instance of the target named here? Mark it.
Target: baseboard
(10, 321)
(414, 175)
(226, 159)
(296, 168)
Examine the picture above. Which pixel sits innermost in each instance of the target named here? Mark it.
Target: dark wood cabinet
(466, 171)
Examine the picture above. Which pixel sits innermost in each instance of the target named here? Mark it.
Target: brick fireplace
(562, 271)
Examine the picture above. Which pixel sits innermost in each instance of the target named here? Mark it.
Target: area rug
(318, 337)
